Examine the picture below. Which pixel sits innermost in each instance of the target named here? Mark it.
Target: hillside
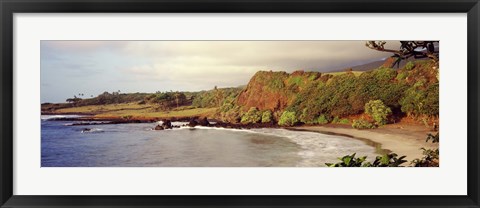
(275, 97)
(275, 91)
(408, 91)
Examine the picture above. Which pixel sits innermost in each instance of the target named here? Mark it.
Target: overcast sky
(92, 67)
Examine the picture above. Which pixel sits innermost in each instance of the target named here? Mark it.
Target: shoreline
(402, 139)
(378, 146)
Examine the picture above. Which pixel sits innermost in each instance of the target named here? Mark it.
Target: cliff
(275, 91)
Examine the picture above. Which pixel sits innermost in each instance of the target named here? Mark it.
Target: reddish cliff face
(274, 90)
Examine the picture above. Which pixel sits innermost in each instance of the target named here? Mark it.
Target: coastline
(402, 139)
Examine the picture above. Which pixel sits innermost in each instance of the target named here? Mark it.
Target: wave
(316, 148)
(93, 130)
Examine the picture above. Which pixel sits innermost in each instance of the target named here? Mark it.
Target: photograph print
(312, 103)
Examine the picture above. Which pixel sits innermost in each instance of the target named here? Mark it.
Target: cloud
(188, 65)
(234, 62)
(82, 46)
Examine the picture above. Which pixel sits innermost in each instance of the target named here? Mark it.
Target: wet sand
(402, 139)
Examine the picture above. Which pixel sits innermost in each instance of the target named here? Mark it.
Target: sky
(93, 67)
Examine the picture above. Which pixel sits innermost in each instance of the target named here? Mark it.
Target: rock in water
(158, 127)
(203, 122)
(192, 123)
(167, 124)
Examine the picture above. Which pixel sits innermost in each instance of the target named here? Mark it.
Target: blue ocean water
(136, 145)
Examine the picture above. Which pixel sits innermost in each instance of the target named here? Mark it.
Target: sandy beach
(403, 139)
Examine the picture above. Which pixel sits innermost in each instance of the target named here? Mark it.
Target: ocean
(137, 145)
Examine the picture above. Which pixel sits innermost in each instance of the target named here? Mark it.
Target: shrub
(362, 124)
(384, 74)
(344, 121)
(252, 116)
(388, 160)
(430, 158)
(288, 118)
(336, 119)
(378, 111)
(348, 161)
(322, 119)
(420, 100)
(232, 115)
(409, 66)
(267, 116)
(295, 81)
(276, 84)
(307, 116)
(431, 101)
(435, 138)
(402, 76)
(127, 117)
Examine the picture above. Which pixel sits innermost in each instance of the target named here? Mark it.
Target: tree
(74, 100)
(179, 98)
(378, 111)
(417, 49)
(218, 96)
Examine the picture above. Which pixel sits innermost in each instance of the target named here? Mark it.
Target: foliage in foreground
(387, 160)
(430, 159)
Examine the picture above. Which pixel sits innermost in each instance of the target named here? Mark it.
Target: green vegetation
(252, 116)
(232, 115)
(421, 100)
(306, 97)
(362, 124)
(322, 119)
(214, 98)
(267, 116)
(378, 111)
(135, 110)
(340, 95)
(430, 158)
(348, 161)
(166, 100)
(388, 160)
(401, 76)
(409, 66)
(344, 121)
(288, 118)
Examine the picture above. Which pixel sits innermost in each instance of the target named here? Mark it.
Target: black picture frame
(10, 7)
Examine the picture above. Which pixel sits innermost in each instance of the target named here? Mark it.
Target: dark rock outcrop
(192, 123)
(158, 127)
(167, 124)
(203, 122)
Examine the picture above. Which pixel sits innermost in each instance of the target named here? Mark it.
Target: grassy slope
(136, 110)
(356, 73)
